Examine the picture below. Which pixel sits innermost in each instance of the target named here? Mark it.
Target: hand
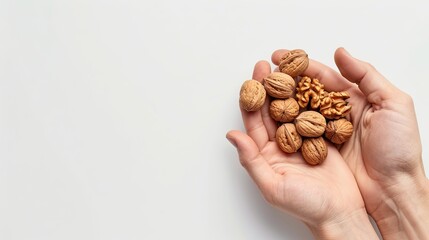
(325, 197)
(384, 153)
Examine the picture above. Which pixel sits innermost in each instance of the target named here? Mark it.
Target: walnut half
(334, 105)
(310, 91)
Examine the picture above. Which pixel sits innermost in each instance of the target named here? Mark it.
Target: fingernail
(232, 141)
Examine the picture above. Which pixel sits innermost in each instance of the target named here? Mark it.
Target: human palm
(385, 149)
(315, 194)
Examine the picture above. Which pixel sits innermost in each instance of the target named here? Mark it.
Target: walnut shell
(339, 131)
(279, 85)
(288, 138)
(314, 150)
(310, 124)
(252, 95)
(284, 110)
(294, 62)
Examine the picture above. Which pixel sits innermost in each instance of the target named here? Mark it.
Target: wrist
(353, 226)
(404, 212)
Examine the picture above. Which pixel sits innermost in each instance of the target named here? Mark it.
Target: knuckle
(370, 66)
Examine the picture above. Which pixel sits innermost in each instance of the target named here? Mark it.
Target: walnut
(310, 124)
(310, 91)
(288, 138)
(334, 105)
(284, 110)
(314, 150)
(252, 95)
(339, 131)
(294, 63)
(279, 85)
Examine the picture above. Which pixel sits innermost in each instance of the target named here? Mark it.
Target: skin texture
(325, 197)
(383, 158)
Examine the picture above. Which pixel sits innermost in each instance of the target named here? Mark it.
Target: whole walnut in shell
(310, 124)
(288, 138)
(279, 85)
(252, 95)
(284, 110)
(294, 62)
(314, 150)
(339, 131)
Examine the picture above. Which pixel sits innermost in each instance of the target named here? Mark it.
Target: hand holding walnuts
(362, 147)
(301, 106)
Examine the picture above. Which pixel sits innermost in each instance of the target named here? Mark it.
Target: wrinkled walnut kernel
(310, 91)
(334, 105)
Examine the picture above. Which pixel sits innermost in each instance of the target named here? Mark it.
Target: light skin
(373, 172)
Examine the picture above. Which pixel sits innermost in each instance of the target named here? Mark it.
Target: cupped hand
(385, 152)
(318, 195)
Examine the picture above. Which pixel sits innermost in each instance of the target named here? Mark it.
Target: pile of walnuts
(305, 112)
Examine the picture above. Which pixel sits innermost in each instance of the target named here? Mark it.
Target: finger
(270, 124)
(251, 159)
(332, 80)
(254, 121)
(370, 82)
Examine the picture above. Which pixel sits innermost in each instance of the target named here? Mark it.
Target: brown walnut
(310, 124)
(252, 95)
(310, 91)
(334, 105)
(314, 150)
(294, 62)
(284, 110)
(339, 131)
(288, 138)
(279, 85)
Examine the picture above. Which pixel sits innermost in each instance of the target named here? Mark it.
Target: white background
(113, 114)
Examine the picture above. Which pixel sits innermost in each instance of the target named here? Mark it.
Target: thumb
(246, 147)
(251, 159)
(372, 84)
